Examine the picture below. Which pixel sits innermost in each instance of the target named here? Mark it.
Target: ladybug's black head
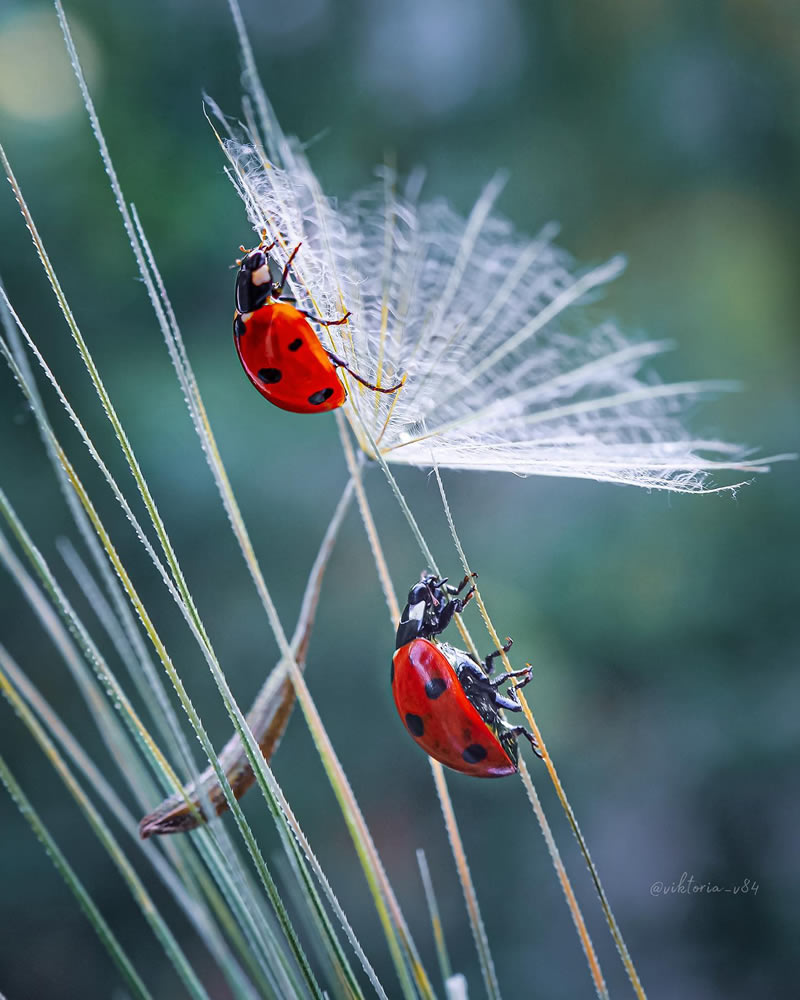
(254, 284)
(420, 617)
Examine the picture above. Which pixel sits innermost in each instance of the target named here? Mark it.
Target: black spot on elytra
(415, 725)
(435, 687)
(318, 398)
(474, 753)
(270, 375)
(296, 345)
(239, 326)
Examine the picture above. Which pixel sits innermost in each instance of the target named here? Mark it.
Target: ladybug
(447, 699)
(278, 349)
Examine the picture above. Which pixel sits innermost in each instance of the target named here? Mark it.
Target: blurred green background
(663, 629)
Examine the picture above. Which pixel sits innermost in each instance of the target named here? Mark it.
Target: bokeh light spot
(36, 80)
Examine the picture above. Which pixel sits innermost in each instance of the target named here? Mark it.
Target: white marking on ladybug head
(416, 612)
(261, 275)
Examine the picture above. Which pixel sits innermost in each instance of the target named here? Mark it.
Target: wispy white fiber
(505, 368)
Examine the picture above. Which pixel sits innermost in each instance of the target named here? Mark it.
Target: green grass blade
(467, 885)
(191, 619)
(115, 739)
(156, 758)
(109, 842)
(100, 709)
(218, 857)
(187, 899)
(233, 710)
(129, 644)
(436, 921)
(75, 885)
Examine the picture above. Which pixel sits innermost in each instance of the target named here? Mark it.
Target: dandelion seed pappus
(447, 699)
(521, 378)
(278, 349)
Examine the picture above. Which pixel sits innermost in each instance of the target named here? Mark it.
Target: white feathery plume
(503, 369)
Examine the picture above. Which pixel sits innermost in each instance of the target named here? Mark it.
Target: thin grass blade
(76, 887)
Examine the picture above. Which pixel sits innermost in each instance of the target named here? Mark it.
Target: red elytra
(285, 361)
(436, 711)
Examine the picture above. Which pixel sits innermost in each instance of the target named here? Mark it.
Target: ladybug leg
(328, 322)
(525, 674)
(286, 269)
(509, 704)
(510, 700)
(456, 606)
(457, 590)
(522, 731)
(340, 363)
(488, 661)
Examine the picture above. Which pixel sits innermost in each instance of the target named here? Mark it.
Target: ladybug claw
(522, 731)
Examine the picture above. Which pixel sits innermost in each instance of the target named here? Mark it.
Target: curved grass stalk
(448, 813)
(277, 801)
(104, 932)
(267, 718)
(583, 934)
(142, 897)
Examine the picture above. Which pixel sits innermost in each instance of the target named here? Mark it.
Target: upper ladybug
(280, 353)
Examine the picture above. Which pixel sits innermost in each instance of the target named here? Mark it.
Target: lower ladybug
(447, 699)
(280, 353)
